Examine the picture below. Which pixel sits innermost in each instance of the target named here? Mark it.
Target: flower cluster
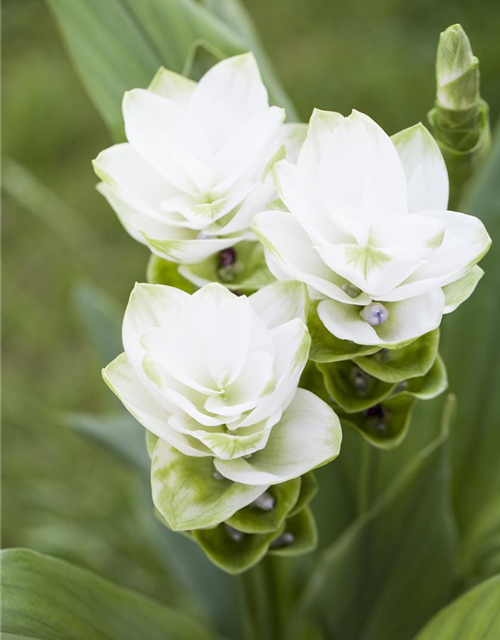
(196, 167)
(369, 232)
(347, 217)
(214, 377)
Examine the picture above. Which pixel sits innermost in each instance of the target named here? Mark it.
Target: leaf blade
(79, 605)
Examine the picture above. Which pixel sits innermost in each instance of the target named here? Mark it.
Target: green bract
(386, 424)
(242, 268)
(396, 365)
(351, 389)
(254, 519)
(189, 495)
(232, 552)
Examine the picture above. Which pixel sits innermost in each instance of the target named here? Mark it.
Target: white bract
(196, 167)
(214, 374)
(369, 232)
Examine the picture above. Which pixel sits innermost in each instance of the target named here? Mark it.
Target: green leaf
(325, 347)
(481, 544)
(342, 484)
(118, 45)
(395, 365)
(473, 616)
(164, 272)
(102, 318)
(49, 599)
(249, 273)
(235, 15)
(471, 351)
(394, 566)
(189, 493)
(303, 536)
(118, 432)
(232, 551)
(351, 388)
(253, 519)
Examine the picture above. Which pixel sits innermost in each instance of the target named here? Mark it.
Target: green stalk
(366, 480)
(256, 609)
(265, 600)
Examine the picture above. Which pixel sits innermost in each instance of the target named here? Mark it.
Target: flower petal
(134, 223)
(188, 251)
(308, 436)
(239, 155)
(408, 320)
(360, 166)
(122, 379)
(254, 381)
(161, 131)
(149, 306)
(424, 167)
(292, 343)
(173, 86)
(322, 126)
(292, 135)
(465, 242)
(301, 194)
(292, 249)
(223, 444)
(228, 97)
(458, 291)
(280, 302)
(121, 167)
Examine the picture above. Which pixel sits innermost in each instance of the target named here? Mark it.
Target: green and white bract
(216, 375)
(196, 167)
(368, 224)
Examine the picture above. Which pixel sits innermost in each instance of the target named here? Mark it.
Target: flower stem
(255, 608)
(264, 600)
(366, 480)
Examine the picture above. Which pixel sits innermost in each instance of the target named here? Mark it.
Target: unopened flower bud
(375, 314)
(460, 118)
(284, 540)
(265, 502)
(457, 70)
(236, 535)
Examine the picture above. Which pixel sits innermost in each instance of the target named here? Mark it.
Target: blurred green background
(63, 494)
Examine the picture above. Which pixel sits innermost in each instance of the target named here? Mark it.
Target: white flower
(368, 230)
(214, 374)
(196, 166)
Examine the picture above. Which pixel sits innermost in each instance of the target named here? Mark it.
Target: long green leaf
(101, 316)
(49, 599)
(471, 350)
(473, 616)
(394, 564)
(235, 15)
(117, 45)
(117, 431)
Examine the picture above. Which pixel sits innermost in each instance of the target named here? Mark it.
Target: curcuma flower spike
(369, 232)
(214, 377)
(460, 119)
(196, 167)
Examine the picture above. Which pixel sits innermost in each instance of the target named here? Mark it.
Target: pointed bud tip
(457, 70)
